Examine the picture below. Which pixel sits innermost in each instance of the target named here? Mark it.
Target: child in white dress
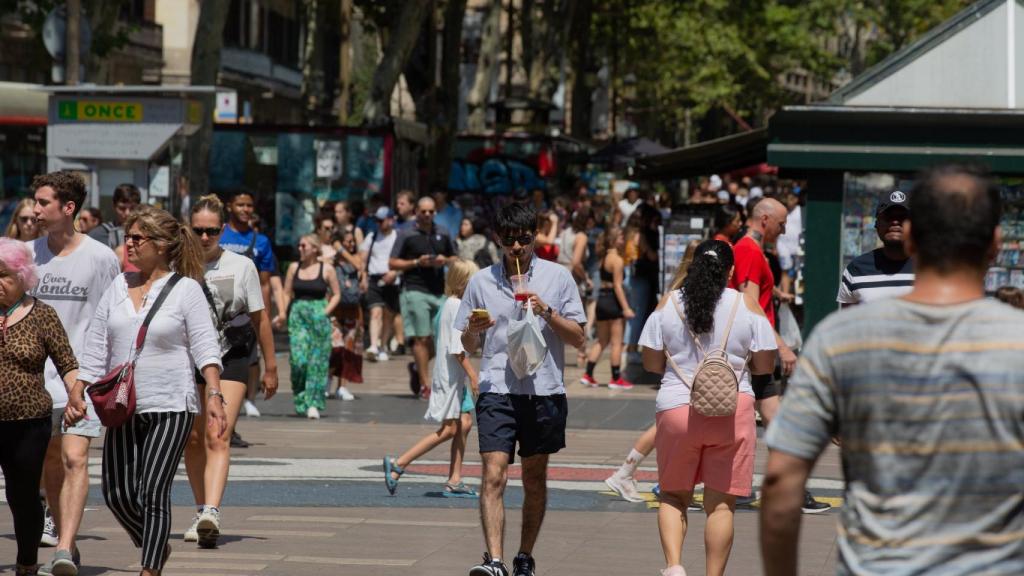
(451, 402)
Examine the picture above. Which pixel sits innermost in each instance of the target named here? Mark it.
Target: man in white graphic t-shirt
(74, 272)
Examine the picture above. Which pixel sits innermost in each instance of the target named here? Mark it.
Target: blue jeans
(640, 294)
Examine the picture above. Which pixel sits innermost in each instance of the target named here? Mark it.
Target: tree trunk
(448, 94)
(486, 69)
(103, 16)
(213, 14)
(345, 62)
(312, 62)
(400, 44)
(550, 44)
(582, 106)
(73, 42)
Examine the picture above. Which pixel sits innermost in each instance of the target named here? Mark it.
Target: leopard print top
(29, 342)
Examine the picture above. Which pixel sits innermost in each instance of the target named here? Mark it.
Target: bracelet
(217, 393)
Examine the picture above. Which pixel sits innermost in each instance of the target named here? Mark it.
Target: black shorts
(608, 307)
(764, 385)
(236, 365)
(386, 295)
(536, 423)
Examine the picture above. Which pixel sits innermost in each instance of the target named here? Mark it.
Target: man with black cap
(885, 272)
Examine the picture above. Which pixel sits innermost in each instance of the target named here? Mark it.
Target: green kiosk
(956, 94)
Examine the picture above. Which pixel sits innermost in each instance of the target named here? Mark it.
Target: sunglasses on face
(428, 211)
(523, 240)
(136, 239)
(211, 232)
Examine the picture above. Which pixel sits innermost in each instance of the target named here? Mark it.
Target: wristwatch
(218, 393)
(546, 315)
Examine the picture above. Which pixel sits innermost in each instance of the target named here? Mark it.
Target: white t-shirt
(627, 209)
(788, 244)
(449, 378)
(381, 252)
(73, 285)
(750, 333)
(234, 284)
(181, 339)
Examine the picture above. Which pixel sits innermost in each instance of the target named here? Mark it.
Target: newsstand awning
(894, 138)
(711, 157)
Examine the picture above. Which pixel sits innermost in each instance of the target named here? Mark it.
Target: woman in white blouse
(141, 457)
(692, 448)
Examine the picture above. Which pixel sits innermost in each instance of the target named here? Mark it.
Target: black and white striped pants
(139, 462)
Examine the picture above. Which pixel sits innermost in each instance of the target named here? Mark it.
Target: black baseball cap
(891, 200)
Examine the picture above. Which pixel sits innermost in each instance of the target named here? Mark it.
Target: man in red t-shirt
(754, 277)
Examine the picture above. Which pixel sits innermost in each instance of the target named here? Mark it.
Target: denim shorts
(88, 427)
(535, 423)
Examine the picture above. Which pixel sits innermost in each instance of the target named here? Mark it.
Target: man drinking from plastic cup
(519, 404)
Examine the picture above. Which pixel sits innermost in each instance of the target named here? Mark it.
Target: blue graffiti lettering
(495, 176)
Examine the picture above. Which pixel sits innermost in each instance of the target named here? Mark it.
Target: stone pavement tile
(599, 543)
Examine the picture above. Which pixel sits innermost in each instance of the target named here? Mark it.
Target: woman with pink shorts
(693, 449)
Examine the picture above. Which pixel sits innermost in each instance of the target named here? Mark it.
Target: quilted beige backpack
(715, 384)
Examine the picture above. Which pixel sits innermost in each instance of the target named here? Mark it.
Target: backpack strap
(732, 318)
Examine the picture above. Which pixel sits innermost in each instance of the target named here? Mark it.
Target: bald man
(753, 276)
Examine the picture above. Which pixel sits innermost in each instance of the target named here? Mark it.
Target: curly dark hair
(704, 284)
(67, 186)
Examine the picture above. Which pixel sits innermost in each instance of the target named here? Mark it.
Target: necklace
(7, 314)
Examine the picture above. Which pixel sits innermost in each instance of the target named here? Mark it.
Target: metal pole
(73, 58)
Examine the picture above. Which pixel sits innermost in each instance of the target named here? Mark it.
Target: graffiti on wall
(494, 176)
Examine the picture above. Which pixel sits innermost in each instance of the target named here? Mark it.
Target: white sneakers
(312, 413)
(191, 535)
(208, 527)
(624, 487)
(49, 538)
(344, 394)
(374, 354)
(251, 410)
(382, 357)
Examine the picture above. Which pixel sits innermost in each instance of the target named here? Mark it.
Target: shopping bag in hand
(526, 345)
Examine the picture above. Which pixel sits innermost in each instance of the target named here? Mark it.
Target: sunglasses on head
(211, 232)
(523, 239)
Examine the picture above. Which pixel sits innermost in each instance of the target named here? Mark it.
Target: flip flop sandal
(459, 490)
(389, 467)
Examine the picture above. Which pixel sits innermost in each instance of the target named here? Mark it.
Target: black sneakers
(812, 506)
(523, 565)
(491, 567)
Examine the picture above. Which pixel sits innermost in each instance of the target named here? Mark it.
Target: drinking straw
(518, 271)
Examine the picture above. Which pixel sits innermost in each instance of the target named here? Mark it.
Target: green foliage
(706, 54)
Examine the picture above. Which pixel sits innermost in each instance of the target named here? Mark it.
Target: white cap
(756, 192)
(716, 182)
(723, 195)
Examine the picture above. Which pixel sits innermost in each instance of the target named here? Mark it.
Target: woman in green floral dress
(307, 287)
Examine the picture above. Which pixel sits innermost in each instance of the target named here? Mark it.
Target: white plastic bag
(526, 345)
(788, 327)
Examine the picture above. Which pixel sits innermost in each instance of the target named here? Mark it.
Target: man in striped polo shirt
(886, 272)
(925, 396)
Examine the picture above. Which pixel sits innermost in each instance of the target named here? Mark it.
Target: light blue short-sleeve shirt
(490, 289)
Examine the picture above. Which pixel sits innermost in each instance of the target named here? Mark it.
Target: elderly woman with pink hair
(30, 332)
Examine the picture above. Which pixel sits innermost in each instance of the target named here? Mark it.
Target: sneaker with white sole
(251, 410)
(372, 354)
(312, 413)
(191, 535)
(624, 487)
(812, 506)
(344, 394)
(208, 527)
(63, 563)
(382, 357)
(49, 538)
(489, 567)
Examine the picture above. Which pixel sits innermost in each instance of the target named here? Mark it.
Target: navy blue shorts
(536, 423)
